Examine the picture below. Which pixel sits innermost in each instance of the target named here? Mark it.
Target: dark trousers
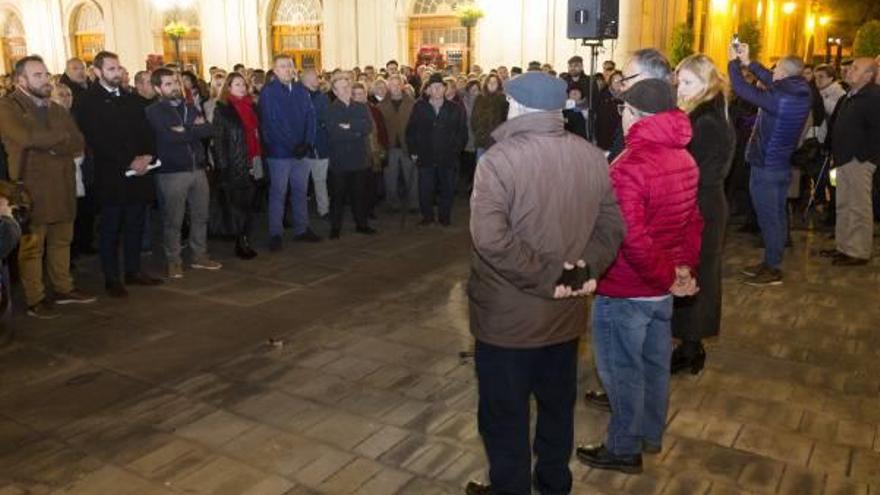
(84, 225)
(507, 379)
(351, 186)
(127, 221)
(240, 204)
(434, 181)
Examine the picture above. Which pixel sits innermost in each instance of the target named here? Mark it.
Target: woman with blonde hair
(702, 94)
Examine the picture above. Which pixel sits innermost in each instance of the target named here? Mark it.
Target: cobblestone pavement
(335, 369)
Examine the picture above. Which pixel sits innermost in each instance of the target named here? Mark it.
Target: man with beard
(179, 130)
(119, 139)
(42, 139)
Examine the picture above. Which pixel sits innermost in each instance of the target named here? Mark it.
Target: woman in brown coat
(490, 111)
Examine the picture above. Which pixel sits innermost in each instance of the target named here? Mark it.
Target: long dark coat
(712, 146)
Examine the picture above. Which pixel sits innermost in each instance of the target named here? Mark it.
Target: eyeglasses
(623, 80)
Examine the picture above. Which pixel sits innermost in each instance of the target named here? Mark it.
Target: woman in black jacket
(238, 157)
(701, 95)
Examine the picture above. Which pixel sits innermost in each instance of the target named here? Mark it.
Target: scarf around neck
(245, 109)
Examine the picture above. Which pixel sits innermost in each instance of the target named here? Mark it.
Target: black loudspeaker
(593, 19)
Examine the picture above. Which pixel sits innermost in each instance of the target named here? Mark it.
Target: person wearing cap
(542, 204)
(435, 136)
(655, 180)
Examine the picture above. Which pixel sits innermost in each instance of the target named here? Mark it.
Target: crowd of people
(93, 151)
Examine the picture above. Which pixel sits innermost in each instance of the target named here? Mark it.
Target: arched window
(436, 36)
(88, 31)
(13, 39)
(296, 31)
(182, 38)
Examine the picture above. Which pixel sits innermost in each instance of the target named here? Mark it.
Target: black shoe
(598, 399)
(598, 457)
(830, 253)
(334, 234)
(846, 260)
(243, 249)
(426, 222)
(475, 488)
(413, 211)
(307, 236)
(275, 243)
(445, 223)
(115, 289)
(141, 279)
(688, 356)
(366, 230)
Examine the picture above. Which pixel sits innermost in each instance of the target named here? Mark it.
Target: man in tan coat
(542, 204)
(42, 140)
(396, 109)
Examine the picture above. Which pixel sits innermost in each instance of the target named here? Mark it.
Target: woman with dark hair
(701, 93)
(490, 111)
(238, 157)
(607, 115)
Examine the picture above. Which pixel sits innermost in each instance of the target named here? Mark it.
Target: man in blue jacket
(181, 181)
(288, 127)
(784, 107)
(318, 158)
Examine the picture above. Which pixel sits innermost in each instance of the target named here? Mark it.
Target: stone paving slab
(177, 390)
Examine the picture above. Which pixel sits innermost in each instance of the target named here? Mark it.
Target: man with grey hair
(856, 152)
(784, 107)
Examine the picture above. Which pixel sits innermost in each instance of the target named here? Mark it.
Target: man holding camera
(545, 224)
(288, 126)
(42, 139)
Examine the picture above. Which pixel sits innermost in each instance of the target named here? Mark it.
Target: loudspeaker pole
(594, 45)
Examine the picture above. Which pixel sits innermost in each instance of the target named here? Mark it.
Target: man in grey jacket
(545, 225)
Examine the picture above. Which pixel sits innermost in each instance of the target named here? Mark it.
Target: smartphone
(735, 41)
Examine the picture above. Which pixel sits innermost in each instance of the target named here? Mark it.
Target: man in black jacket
(181, 181)
(436, 135)
(74, 77)
(118, 140)
(349, 125)
(856, 151)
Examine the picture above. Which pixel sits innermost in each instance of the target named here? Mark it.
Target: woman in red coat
(655, 180)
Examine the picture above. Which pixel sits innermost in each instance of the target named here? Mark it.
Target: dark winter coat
(322, 139)
(490, 111)
(229, 148)
(784, 108)
(349, 127)
(712, 146)
(856, 132)
(607, 119)
(287, 119)
(116, 131)
(437, 138)
(179, 151)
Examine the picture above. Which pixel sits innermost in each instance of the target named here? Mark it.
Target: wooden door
(303, 43)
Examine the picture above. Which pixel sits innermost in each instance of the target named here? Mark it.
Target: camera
(735, 41)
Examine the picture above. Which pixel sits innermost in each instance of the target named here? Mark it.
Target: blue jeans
(769, 190)
(632, 343)
(507, 379)
(292, 173)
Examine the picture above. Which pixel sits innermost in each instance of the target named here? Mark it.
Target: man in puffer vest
(655, 180)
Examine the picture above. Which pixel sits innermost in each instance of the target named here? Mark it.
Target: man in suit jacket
(42, 139)
(119, 139)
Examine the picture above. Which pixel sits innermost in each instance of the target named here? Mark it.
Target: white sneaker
(206, 264)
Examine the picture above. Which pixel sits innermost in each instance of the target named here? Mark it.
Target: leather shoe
(688, 356)
(116, 290)
(598, 399)
(141, 279)
(475, 488)
(598, 457)
(366, 230)
(845, 260)
(830, 253)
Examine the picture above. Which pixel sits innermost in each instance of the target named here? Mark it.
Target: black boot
(689, 355)
(243, 248)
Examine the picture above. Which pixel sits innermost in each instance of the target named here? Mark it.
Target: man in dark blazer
(118, 140)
